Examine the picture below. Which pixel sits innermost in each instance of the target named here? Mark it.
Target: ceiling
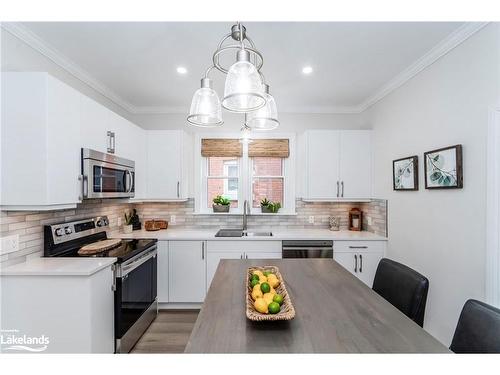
(136, 61)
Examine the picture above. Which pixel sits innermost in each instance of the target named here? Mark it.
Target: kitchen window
(242, 171)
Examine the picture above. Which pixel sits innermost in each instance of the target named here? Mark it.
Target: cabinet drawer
(244, 246)
(358, 246)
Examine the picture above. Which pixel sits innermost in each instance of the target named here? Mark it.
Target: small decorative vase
(334, 223)
(127, 228)
(221, 207)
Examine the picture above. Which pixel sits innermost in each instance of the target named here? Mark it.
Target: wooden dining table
(335, 313)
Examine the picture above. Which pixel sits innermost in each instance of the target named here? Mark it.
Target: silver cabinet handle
(342, 184)
(355, 263)
(178, 189)
(246, 256)
(337, 189)
(111, 142)
(241, 256)
(360, 263)
(203, 250)
(84, 186)
(358, 247)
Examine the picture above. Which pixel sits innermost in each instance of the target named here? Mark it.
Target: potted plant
(268, 207)
(221, 204)
(127, 226)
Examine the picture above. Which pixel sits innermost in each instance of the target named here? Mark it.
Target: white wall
(441, 233)
(17, 56)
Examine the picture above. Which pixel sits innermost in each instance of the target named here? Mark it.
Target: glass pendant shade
(265, 118)
(205, 109)
(243, 89)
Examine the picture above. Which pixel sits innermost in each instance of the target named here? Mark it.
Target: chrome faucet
(245, 206)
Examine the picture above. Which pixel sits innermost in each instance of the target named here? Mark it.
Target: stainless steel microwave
(106, 175)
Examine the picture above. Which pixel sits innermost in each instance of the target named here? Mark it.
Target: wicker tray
(287, 311)
(152, 225)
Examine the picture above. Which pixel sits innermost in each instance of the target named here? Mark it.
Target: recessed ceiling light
(181, 70)
(307, 69)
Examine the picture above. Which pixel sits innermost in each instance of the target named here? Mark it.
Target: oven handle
(129, 267)
(306, 248)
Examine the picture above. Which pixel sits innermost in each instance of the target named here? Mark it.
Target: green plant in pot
(127, 226)
(221, 204)
(269, 207)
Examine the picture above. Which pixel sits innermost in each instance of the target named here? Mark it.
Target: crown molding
(31, 39)
(446, 45)
(453, 40)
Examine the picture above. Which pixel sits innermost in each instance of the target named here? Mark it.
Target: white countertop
(58, 267)
(209, 234)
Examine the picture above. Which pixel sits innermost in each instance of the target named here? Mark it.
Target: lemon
(261, 305)
(257, 272)
(270, 274)
(273, 281)
(274, 308)
(268, 297)
(256, 294)
(256, 287)
(265, 287)
(262, 279)
(272, 291)
(278, 298)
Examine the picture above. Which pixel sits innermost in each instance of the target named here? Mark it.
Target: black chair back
(478, 329)
(403, 287)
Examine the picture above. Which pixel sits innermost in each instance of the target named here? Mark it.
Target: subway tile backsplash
(29, 225)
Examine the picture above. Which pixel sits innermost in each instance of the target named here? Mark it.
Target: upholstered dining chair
(403, 287)
(478, 329)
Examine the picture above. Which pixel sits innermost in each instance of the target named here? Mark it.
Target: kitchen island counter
(335, 313)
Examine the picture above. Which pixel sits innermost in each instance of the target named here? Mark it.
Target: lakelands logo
(11, 340)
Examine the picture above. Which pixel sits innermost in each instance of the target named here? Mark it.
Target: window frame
(245, 176)
(284, 204)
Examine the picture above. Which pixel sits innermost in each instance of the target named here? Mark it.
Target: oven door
(108, 180)
(135, 290)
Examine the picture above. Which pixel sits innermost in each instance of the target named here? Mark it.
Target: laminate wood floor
(169, 332)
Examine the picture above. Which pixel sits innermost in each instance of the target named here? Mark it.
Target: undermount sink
(241, 233)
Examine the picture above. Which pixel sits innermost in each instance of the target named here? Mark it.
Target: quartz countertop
(278, 235)
(58, 267)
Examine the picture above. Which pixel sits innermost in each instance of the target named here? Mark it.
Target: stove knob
(58, 232)
(68, 230)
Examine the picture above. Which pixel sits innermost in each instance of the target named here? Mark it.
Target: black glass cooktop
(127, 249)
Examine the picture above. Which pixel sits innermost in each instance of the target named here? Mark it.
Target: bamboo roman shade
(274, 148)
(221, 147)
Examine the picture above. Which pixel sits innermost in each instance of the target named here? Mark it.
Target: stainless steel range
(136, 304)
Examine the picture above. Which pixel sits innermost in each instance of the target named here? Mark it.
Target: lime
(278, 298)
(266, 273)
(265, 288)
(254, 277)
(274, 308)
(254, 282)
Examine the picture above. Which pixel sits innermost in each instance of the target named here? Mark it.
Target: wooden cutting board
(99, 246)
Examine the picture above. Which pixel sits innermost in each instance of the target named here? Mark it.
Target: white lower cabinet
(186, 271)
(217, 250)
(361, 258)
(162, 272)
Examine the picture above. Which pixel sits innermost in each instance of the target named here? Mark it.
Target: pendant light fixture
(265, 118)
(245, 90)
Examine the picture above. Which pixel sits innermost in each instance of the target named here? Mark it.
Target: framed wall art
(443, 168)
(405, 173)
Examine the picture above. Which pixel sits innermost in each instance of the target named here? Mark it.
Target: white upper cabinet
(322, 164)
(40, 159)
(95, 124)
(355, 164)
(167, 165)
(338, 165)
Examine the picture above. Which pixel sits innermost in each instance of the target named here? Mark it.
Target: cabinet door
(187, 271)
(213, 259)
(94, 125)
(355, 164)
(368, 263)
(63, 146)
(348, 261)
(322, 154)
(164, 160)
(162, 278)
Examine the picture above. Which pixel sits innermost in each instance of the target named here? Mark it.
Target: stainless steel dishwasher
(307, 249)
